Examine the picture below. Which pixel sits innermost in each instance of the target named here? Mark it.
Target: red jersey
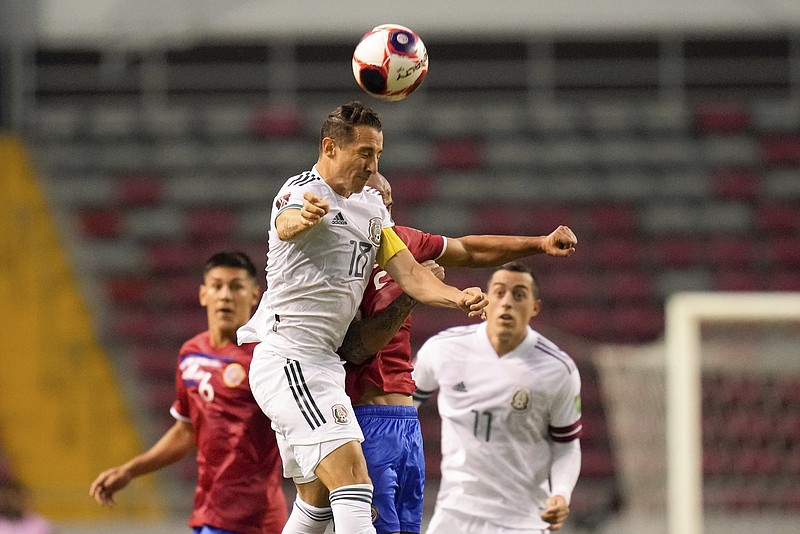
(239, 470)
(390, 370)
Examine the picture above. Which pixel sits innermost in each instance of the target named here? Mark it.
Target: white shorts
(446, 521)
(308, 406)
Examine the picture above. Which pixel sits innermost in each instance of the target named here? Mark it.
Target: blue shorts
(396, 463)
(205, 529)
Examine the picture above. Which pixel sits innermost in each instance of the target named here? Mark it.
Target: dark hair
(340, 124)
(238, 260)
(518, 267)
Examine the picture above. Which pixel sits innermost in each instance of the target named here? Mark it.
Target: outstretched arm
(367, 336)
(494, 250)
(419, 283)
(173, 445)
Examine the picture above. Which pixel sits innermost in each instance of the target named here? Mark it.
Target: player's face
(511, 303)
(356, 162)
(228, 294)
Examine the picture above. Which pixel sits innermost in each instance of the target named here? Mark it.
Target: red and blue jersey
(239, 471)
(390, 370)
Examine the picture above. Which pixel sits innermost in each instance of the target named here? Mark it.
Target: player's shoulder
(305, 178)
(453, 334)
(546, 350)
(423, 246)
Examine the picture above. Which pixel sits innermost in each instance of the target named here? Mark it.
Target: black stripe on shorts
(302, 395)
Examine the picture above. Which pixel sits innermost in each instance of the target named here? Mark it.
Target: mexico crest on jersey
(340, 414)
(521, 400)
(375, 226)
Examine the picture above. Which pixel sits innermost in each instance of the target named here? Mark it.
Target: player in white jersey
(325, 236)
(509, 400)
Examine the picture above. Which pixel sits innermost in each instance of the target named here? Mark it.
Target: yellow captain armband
(391, 244)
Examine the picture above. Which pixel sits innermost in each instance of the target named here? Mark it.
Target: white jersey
(499, 416)
(315, 282)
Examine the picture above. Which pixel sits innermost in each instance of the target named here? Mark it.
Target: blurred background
(139, 137)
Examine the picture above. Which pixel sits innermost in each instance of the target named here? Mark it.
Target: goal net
(706, 425)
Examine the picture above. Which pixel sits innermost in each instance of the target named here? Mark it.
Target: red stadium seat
(613, 219)
(627, 285)
(738, 279)
(778, 218)
(597, 463)
(101, 223)
(462, 153)
(181, 291)
(413, 188)
(173, 256)
(784, 251)
(140, 189)
(283, 122)
(779, 151)
(737, 184)
(721, 118)
(137, 327)
(640, 323)
(211, 223)
(677, 250)
(155, 362)
(613, 253)
(131, 290)
(582, 321)
(730, 251)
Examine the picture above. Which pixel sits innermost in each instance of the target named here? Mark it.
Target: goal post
(684, 315)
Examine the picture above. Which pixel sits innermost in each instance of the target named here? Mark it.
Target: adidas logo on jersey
(339, 219)
(460, 387)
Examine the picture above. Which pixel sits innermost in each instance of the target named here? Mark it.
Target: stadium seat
(721, 117)
(175, 256)
(783, 251)
(676, 250)
(597, 463)
(100, 223)
(728, 251)
(137, 326)
(458, 153)
(277, 121)
(155, 363)
(628, 285)
(610, 219)
(210, 223)
(579, 320)
(738, 279)
(131, 290)
(736, 184)
(778, 217)
(140, 189)
(636, 324)
(180, 291)
(780, 151)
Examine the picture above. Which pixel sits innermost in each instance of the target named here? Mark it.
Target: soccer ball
(390, 62)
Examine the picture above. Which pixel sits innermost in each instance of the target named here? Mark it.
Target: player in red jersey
(239, 469)
(381, 389)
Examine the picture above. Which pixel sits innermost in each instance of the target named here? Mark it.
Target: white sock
(352, 509)
(307, 519)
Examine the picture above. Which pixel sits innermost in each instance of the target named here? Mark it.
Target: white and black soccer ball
(390, 62)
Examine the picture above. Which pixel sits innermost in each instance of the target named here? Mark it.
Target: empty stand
(670, 184)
